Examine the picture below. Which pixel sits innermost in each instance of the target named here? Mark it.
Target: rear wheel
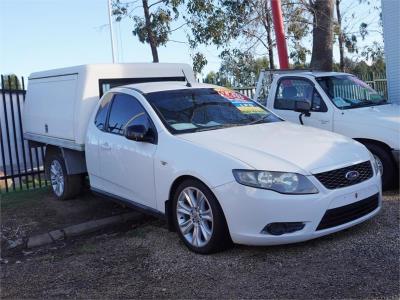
(199, 219)
(64, 186)
(385, 165)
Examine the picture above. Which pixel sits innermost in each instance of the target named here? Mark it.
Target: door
(292, 89)
(126, 166)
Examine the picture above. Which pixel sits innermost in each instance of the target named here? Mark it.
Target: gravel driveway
(150, 262)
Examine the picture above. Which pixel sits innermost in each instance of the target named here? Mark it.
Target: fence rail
(21, 166)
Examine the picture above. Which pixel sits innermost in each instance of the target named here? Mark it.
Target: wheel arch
(383, 145)
(74, 160)
(174, 186)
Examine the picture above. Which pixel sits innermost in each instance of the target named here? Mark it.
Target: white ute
(338, 102)
(219, 167)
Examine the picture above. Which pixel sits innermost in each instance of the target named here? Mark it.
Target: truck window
(101, 116)
(125, 110)
(291, 90)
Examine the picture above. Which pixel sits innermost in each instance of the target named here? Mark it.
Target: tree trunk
(322, 52)
(152, 40)
(269, 37)
(340, 37)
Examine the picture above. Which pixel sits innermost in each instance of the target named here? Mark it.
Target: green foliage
(364, 70)
(215, 22)
(240, 69)
(351, 37)
(159, 25)
(247, 25)
(211, 78)
(11, 82)
(153, 29)
(373, 52)
(199, 61)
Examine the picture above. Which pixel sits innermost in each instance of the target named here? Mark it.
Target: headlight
(281, 182)
(374, 163)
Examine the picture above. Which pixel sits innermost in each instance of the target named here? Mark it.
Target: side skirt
(134, 205)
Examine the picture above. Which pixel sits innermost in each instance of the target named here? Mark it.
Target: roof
(150, 87)
(124, 70)
(312, 73)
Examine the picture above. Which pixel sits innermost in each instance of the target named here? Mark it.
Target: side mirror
(139, 133)
(302, 107)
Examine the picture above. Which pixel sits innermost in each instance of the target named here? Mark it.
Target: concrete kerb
(79, 229)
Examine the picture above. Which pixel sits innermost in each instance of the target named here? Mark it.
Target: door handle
(105, 146)
(323, 122)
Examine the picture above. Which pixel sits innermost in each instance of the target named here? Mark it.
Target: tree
(153, 26)
(245, 25)
(241, 69)
(340, 35)
(11, 82)
(211, 78)
(322, 50)
(349, 29)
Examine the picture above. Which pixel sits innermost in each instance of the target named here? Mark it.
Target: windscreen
(192, 110)
(347, 91)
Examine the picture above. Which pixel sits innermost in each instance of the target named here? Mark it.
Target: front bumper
(248, 210)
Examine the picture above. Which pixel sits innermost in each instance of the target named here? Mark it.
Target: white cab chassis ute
(60, 102)
(338, 102)
(217, 165)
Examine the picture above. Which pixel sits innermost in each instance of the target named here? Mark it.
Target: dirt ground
(33, 212)
(147, 261)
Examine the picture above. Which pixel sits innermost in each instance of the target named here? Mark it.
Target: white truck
(338, 102)
(218, 166)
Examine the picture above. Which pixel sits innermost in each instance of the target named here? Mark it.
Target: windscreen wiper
(205, 128)
(263, 118)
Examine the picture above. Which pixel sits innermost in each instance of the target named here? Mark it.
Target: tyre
(385, 164)
(64, 186)
(199, 219)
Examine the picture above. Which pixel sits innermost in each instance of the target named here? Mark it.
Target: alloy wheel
(57, 177)
(195, 218)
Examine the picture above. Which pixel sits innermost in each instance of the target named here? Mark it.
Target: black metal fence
(20, 165)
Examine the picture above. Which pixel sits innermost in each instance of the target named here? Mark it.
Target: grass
(22, 198)
(25, 185)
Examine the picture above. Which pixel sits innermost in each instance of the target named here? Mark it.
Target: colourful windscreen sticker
(242, 102)
(231, 95)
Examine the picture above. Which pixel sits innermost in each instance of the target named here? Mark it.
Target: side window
(291, 90)
(317, 103)
(101, 116)
(125, 111)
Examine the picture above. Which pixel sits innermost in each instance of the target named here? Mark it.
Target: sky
(39, 35)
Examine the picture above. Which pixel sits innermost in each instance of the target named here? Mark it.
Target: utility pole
(280, 34)
(111, 30)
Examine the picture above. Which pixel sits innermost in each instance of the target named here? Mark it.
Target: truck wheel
(64, 186)
(385, 164)
(199, 219)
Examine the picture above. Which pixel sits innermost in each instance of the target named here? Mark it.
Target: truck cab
(338, 102)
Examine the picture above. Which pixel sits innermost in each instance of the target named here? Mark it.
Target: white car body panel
(271, 147)
(62, 100)
(379, 123)
(210, 156)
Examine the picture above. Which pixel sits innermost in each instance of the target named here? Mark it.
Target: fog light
(283, 227)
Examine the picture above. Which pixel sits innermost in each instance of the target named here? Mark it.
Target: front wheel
(199, 219)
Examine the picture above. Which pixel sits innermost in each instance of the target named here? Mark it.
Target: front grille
(337, 178)
(344, 214)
